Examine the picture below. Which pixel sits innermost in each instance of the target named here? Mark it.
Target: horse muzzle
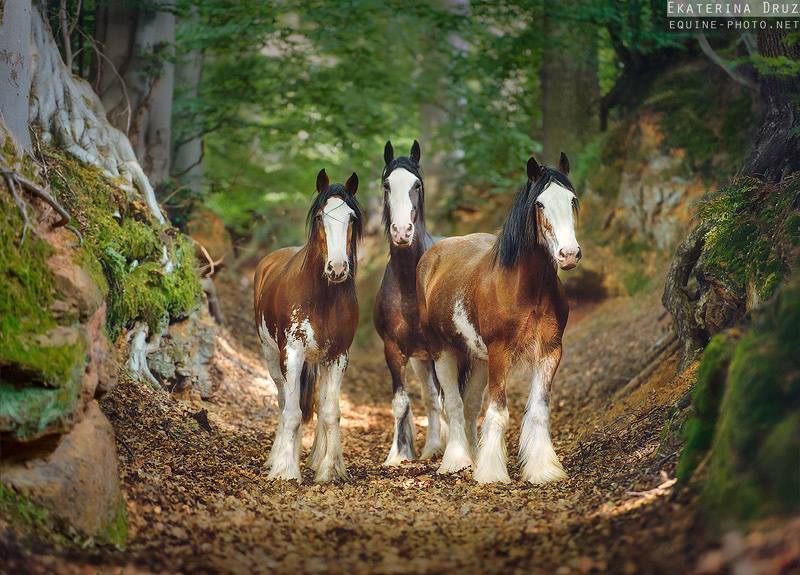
(336, 273)
(402, 236)
(568, 258)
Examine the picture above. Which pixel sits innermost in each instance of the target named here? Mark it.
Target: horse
(306, 314)
(491, 303)
(395, 314)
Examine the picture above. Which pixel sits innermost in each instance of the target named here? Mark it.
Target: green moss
(753, 233)
(20, 511)
(698, 431)
(753, 467)
(117, 531)
(126, 245)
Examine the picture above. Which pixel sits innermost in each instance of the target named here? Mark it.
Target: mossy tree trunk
(776, 150)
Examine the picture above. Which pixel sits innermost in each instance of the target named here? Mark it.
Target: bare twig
(65, 29)
(26, 223)
(12, 178)
(719, 61)
(93, 43)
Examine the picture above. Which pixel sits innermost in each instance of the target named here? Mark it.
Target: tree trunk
(570, 90)
(776, 152)
(187, 149)
(136, 92)
(16, 69)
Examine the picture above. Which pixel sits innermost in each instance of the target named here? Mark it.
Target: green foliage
(20, 510)
(753, 234)
(753, 467)
(121, 239)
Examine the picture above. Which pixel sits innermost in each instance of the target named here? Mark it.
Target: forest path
(199, 500)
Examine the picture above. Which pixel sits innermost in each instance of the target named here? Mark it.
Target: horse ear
(534, 169)
(416, 153)
(388, 152)
(323, 183)
(351, 185)
(563, 164)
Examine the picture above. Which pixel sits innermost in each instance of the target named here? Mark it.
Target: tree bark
(776, 152)
(16, 69)
(187, 156)
(130, 39)
(570, 90)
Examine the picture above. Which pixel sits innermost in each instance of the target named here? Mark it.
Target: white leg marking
(492, 457)
(540, 463)
(319, 445)
(434, 439)
(331, 466)
(473, 402)
(404, 431)
(285, 455)
(456, 454)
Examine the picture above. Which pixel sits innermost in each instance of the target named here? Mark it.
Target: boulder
(78, 482)
(185, 352)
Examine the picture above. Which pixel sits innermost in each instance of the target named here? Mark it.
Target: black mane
(320, 199)
(413, 167)
(519, 237)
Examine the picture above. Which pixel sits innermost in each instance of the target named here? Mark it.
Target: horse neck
(404, 260)
(321, 289)
(532, 276)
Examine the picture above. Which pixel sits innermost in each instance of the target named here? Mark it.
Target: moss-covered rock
(128, 246)
(748, 400)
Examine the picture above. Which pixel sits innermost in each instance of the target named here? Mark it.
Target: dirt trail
(198, 497)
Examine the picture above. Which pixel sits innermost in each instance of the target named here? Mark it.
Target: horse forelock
(320, 199)
(519, 235)
(405, 163)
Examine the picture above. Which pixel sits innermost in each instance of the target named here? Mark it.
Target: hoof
(431, 451)
(329, 472)
(285, 474)
(491, 476)
(455, 459)
(545, 473)
(396, 457)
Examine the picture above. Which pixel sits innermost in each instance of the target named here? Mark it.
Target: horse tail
(308, 381)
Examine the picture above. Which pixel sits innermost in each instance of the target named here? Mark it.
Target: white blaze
(400, 183)
(336, 217)
(557, 202)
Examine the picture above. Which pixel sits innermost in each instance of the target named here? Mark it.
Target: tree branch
(719, 61)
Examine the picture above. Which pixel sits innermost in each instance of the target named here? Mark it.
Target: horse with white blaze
(306, 314)
(396, 315)
(488, 303)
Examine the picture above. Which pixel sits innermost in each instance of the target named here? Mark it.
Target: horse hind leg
(473, 402)
(285, 455)
(331, 464)
(456, 454)
(404, 431)
(437, 428)
(540, 464)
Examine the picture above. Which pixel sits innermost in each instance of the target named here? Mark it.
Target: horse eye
(540, 205)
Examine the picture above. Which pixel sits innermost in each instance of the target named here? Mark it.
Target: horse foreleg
(435, 437)
(403, 440)
(540, 463)
(456, 454)
(331, 465)
(285, 456)
(473, 401)
(492, 455)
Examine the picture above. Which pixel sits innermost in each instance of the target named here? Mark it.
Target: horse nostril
(561, 253)
(393, 228)
(579, 255)
(409, 228)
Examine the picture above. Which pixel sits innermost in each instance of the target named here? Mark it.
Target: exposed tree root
(139, 347)
(69, 113)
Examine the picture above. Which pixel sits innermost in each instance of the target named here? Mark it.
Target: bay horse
(395, 315)
(306, 314)
(489, 303)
